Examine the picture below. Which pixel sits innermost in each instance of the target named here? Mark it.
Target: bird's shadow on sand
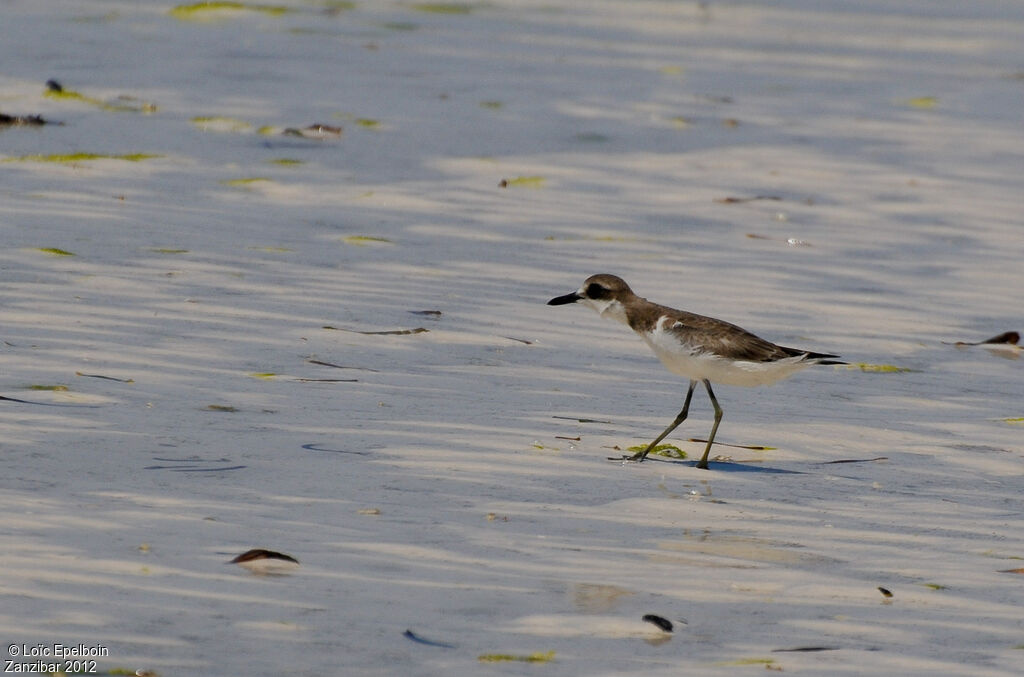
(719, 466)
(734, 467)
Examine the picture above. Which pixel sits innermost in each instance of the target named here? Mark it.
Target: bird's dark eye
(595, 291)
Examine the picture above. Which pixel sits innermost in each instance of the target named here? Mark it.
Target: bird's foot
(630, 458)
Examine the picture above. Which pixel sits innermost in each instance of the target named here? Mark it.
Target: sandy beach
(275, 276)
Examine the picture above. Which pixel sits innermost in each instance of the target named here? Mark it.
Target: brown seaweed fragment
(314, 131)
(266, 562)
(25, 121)
(390, 332)
(1008, 338)
(739, 200)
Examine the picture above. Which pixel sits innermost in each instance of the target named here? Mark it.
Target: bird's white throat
(609, 308)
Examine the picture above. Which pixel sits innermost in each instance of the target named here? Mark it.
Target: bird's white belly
(690, 363)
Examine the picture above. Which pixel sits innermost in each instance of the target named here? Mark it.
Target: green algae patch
(365, 123)
(443, 7)
(591, 238)
(65, 158)
(168, 250)
(364, 240)
(922, 102)
(1013, 421)
(264, 375)
(54, 251)
(879, 368)
(221, 407)
(49, 388)
(523, 182)
(666, 450)
(747, 661)
(271, 250)
(72, 95)
(215, 11)
(537, 657)
(286, 162)
(244, 182)
(128, 104)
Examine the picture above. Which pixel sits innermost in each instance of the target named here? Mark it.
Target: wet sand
(184, 332)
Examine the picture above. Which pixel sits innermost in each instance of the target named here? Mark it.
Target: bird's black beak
(568, 298)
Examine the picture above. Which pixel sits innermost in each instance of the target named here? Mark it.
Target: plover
(703, 349)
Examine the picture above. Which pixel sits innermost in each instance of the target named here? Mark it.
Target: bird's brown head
(604, 293)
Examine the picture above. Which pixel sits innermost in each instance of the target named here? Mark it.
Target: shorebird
(702, 349)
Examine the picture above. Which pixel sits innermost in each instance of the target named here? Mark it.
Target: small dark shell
(259, 553)
(662, 623)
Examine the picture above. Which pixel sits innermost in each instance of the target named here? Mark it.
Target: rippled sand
(211, 302)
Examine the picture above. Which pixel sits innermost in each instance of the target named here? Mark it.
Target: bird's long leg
(703, 463)
(641, 455)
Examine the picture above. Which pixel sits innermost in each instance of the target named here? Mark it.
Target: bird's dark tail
(824, 358)
(819, 358)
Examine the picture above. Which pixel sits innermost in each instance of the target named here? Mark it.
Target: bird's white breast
(693, 362)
